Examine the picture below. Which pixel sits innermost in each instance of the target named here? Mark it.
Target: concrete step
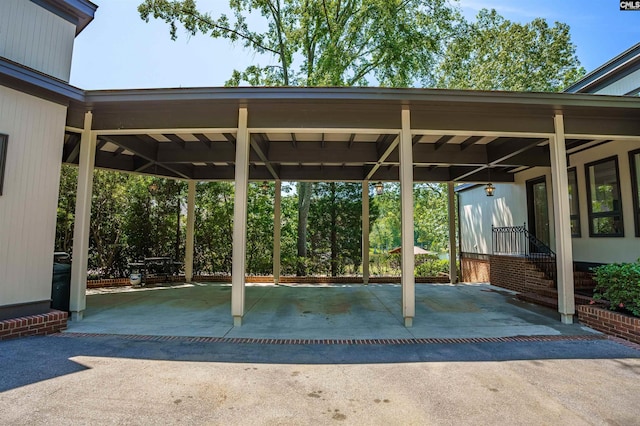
(550, 298)
(549, 302)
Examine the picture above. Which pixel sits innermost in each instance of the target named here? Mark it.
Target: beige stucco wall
(29, 200)
(36, 38)
(606, 249)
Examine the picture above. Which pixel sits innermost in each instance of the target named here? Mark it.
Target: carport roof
(346, 134)
(323, 133)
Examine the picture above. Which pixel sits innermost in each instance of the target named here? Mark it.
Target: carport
(335, 134)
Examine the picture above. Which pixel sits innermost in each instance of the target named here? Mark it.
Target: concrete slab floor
(318, 312)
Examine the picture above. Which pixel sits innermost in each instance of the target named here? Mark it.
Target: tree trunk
(177, 249)
(334, 236)
(304, 203)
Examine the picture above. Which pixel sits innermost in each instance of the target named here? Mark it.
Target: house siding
(35, 37)
(626, 84)
(479, 212)
(29, 200)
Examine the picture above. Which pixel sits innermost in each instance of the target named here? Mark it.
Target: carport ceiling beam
(469, 142)
(144, 150)
(261, 149)
(202, 138)
(387, 152)
(502, 150)
(175, 139)
(74, 140)
(442, 141)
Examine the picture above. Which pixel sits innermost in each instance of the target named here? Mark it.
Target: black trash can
(61, 287)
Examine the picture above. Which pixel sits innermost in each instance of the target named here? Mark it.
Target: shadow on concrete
(30, 360)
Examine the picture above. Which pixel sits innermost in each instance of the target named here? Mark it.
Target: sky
(118, 50)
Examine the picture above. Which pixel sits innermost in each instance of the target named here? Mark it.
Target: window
(605, 202)
(634, 163)
(3, 157)
(574, 206)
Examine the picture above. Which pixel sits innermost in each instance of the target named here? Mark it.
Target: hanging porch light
(489, 189)
(379, 188)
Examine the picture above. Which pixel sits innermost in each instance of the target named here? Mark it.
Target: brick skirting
(610, 322)
(123, 282)
(517, 274)
(49, 323)
(475, 270)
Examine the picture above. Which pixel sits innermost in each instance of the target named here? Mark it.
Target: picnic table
(158, 266)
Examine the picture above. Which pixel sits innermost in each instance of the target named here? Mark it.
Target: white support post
(406, 190)
(240, 219)
(277, 225)
(365, 232)
(453, 265)
(191, 220)
(561, 215)
(81, 228)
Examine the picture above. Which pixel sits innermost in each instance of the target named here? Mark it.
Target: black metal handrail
(517, 240)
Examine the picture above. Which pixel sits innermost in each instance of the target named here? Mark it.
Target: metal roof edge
(23, 78)
(607, 70)
(78, 12)
(401, 95)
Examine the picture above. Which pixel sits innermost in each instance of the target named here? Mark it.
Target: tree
(66, 208)
(323, 43)
(494, 53)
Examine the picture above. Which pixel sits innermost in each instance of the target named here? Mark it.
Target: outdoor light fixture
(379, 188)
(153, 188)
(265, 186)
(489, 189)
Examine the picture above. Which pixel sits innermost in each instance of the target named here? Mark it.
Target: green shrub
(432, 268)
(619, 283)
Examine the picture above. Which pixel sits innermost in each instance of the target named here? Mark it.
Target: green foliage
(494, 53)
(335, 235)
(214, 227)
(323, 43)
(432, 268)
(619, 284)
(431, 218)
(66, 208)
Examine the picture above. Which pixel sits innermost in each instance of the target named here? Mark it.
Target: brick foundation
(123, 282)
(517, 274)
(49, 323)
(475, 270)
(609, 322)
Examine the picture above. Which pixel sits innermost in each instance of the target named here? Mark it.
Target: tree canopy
(323, 42)
(493, 53)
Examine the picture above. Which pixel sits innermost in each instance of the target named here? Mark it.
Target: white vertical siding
(35, 37)
(29, 201)
(478, 212)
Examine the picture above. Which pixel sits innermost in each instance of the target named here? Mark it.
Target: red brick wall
(475, 270)
(122, 282)
(609, 322)
(51, 322)
(515, 273)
